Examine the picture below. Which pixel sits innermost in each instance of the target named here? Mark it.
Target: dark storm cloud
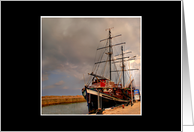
(69, 44)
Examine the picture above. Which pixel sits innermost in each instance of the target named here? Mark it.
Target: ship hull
(94, 97)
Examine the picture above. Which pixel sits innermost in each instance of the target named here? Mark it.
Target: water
(72, 108)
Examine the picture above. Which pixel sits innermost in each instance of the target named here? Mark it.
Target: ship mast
(110, 53)
(110, 49)
(123, 65)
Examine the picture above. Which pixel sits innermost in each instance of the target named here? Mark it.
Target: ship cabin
(104, 83)
(100, 82)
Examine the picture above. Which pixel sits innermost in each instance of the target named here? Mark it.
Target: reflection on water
(72, 108)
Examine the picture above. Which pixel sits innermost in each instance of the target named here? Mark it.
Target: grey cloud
(49, 87)
(69, 45)
(59, 83)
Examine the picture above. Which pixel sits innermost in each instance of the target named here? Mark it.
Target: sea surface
(70, 108)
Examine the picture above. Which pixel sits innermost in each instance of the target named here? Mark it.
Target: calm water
(72, 108)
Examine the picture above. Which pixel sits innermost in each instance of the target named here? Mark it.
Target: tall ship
(102, 91)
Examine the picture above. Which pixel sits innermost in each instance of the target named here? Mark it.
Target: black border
(161, 39)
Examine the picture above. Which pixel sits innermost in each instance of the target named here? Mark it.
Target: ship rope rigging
(96, 66)
(108, 49)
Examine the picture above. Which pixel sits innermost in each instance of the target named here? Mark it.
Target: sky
(69, 51)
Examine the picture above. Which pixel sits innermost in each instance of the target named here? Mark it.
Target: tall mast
(122, 66)
(109, 53)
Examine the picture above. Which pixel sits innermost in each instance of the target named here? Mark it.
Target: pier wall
(52, 100)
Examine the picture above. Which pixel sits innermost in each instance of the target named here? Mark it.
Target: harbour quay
(53, 100)
(124, 109)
